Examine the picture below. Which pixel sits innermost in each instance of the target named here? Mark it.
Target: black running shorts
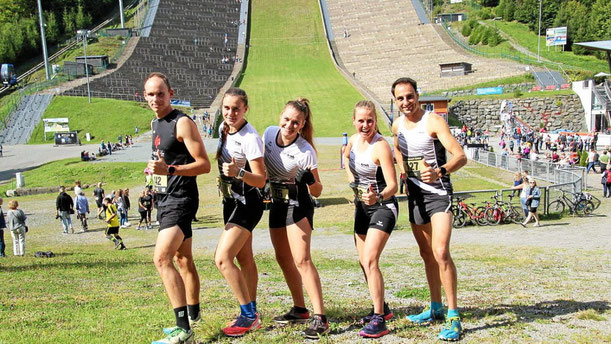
(246, 215)
(112, 230)
(284, 214)
(382, 217)
(180, 215)
(422, 207)
(533, 210)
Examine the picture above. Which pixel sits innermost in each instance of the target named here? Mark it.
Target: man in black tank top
(178, 157)
(421, 140)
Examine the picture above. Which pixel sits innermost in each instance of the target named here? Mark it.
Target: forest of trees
(586, 20)
(20, 29)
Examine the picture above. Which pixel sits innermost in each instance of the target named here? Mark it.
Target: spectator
(82, 209)
(604, 160)
(16, 224)
(533, 196)
(592, 161)
(605, 181)
(99, 196)
(127, 205)
(517, 180)
(2, 227)
(64, 207)
(142, 209)
(77, 188)
(119, 201)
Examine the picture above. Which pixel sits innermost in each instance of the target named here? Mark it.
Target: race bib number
(225, 188)
(280, 193)
(160, 183)
(413, 165)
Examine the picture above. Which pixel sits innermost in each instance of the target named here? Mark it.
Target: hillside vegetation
(288, 58)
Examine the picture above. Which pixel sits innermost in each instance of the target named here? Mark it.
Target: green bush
(472, 23)
(486, 13)
(583, 159)
(466, 30)
(517, 93)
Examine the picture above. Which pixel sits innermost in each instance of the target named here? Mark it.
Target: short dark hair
(160, 76)
(404, 81)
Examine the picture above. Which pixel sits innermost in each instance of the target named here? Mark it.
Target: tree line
(586, 20)
(20, 29)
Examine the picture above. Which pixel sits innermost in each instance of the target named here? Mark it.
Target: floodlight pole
(539, 34)
(121, 14)
(44, 41)
(84, 35)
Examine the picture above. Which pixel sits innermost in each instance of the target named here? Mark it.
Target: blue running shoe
(427, 316)
(452, 330)
(375, 328)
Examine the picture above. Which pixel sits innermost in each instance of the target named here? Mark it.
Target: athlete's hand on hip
(158, 166)
(305, 176)
(230, 169)
(427, 173)
(370, 197)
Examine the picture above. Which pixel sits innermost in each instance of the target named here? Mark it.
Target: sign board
(489, 90)
(179, 102)
(555, 36)
(455, 1)
(53, 125)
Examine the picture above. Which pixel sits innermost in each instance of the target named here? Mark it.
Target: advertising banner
(555, 36)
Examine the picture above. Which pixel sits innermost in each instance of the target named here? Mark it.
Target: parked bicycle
(464, 213)
(504, 211)
(577, 204)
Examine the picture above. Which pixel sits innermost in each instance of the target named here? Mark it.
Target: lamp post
(43, 41)
(539, 34)
(84, 34)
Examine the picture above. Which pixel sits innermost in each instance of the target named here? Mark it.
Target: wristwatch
(171, 170)
(380, 199)
(443, 171)
(241, 174)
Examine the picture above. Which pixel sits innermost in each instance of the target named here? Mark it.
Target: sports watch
(171, 170)
(443, 171)
(241, 174)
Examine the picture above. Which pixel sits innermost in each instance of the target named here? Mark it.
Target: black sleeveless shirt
(181, 189)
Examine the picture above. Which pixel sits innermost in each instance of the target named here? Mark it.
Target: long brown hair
(303, 105)
(237, 92)
(369, 105)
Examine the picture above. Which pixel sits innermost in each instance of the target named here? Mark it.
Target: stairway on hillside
(192, 42)
(548, 78)
(24, 119)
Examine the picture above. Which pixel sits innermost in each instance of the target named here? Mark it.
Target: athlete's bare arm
(316, 188)
(383, 155)
(439, 128)
(346, 158)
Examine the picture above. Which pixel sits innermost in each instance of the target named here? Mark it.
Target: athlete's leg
(284, 258)
(442, 231)
(299, 238)
(168, 242)
(422, 234)
(370, 258)
(231, 242)
(188, 271)
(249, 268)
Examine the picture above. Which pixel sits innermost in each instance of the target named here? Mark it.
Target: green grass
(538, 94)
(502, 81)
(65, 172)
(288, 58)
(105, 119)
(528, 39)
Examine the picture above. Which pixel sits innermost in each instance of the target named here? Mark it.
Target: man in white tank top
(421, 140)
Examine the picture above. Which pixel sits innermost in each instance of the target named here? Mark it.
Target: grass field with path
(288, 58)
(549, 284)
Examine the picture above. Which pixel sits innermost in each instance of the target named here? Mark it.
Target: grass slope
(105, 119)
(288, 58)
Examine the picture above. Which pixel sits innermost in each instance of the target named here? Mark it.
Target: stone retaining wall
(560, 112)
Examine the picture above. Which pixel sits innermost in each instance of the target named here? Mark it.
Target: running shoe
(375, 328)
(293, 317)
(427, 316)
(317, 328)
(192, 323)
(388, 315)
(452, 330)
(241, 326)
(178, 336)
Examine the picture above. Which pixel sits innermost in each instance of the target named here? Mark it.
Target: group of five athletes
(284, 164)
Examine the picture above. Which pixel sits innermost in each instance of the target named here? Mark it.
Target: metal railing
(572, 179)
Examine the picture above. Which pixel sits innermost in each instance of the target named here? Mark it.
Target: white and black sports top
(416, 145)
(364, 169)
(243, 145)
(283, 162)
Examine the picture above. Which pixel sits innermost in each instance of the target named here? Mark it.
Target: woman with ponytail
(242, 172)
(292, 168)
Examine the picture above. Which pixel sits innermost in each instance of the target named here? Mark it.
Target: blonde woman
(16, 224)
(292, 168)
